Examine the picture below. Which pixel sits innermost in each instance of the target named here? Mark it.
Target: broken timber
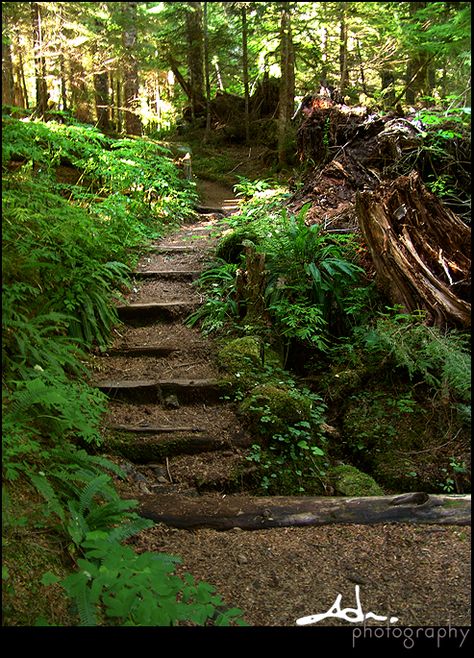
(258, 513)
(420, 250)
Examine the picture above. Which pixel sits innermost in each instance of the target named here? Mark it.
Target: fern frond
(44, 487)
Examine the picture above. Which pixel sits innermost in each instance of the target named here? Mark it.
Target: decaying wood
(255, 513)
(250, 286)
(420, 249)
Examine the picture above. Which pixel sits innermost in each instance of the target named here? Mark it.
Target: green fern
(43, 486)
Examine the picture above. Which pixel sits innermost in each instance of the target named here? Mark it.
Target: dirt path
(176, 436)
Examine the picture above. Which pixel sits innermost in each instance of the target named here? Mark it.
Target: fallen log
(255, 513)
(420, 250)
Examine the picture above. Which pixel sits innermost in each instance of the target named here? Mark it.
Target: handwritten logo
(352, 615)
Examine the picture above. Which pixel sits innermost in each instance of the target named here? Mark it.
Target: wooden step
(257, 513)
(145, 350)
(186, 390)
(166, 311)
(167, 274)
(142, 449)
(173, 249)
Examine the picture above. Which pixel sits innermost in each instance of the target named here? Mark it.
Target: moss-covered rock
(244, 359)
(271, 409)
(349, 481)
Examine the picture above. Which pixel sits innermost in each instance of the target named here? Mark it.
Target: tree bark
(420, 250)
(39, 60)
(245, 71)
(343, 68)
(7, 75)
(287, 82)
(195, 38)
(258, 513)
(133, 124)
(102, 100)
(207, 73)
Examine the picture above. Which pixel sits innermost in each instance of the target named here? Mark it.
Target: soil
(417, 573)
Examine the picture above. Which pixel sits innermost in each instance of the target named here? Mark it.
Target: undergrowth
(75, 204)
(317, 303)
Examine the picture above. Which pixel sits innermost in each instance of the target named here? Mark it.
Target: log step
(145, 450)
(257, 513)
(153, 429)
(186, 390)
(145, 350)
(173, 249)
(166, 311)
(168, 274)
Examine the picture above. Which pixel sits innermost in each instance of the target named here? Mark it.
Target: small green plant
(291, 461)
(114, 586)
(220, 308)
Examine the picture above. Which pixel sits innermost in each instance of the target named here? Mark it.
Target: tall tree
(287, 81)
(39, 60)
(207, 71)
(133, 124)
(245, 71)
(343, 64)
(195, 50)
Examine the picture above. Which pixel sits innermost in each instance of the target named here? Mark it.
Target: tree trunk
(22, 99)
(245, 71)
(388, 86)
(195, 48)
(417, 71)
(79, 94)
(420, 250)
(287, 82)
(63, 83)
(102, 100)
(7, 75)
(133, 124)
(39, 60)
(258, 513)
(343, 68)
(207, 74)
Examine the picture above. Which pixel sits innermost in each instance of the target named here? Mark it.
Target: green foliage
(113, 584)
(291, 459)
(442, 360)
(116, 587)
(220, 308)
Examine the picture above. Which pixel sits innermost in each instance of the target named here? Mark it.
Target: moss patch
(230, 247)
(349, 481)
(271, 410)
(245, 360)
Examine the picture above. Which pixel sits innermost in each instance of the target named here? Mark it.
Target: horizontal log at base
(255, 513)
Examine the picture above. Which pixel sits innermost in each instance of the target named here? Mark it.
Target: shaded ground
(419, 574)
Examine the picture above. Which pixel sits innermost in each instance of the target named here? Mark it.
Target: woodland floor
(418, 573)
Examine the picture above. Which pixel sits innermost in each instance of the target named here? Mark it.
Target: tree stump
(420, 250)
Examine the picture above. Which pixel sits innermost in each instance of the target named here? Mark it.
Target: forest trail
(178, 441)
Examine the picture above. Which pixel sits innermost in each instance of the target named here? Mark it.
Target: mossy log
(255, 513)
(420, 249)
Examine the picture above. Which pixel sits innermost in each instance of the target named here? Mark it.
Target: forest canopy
(141, 66)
